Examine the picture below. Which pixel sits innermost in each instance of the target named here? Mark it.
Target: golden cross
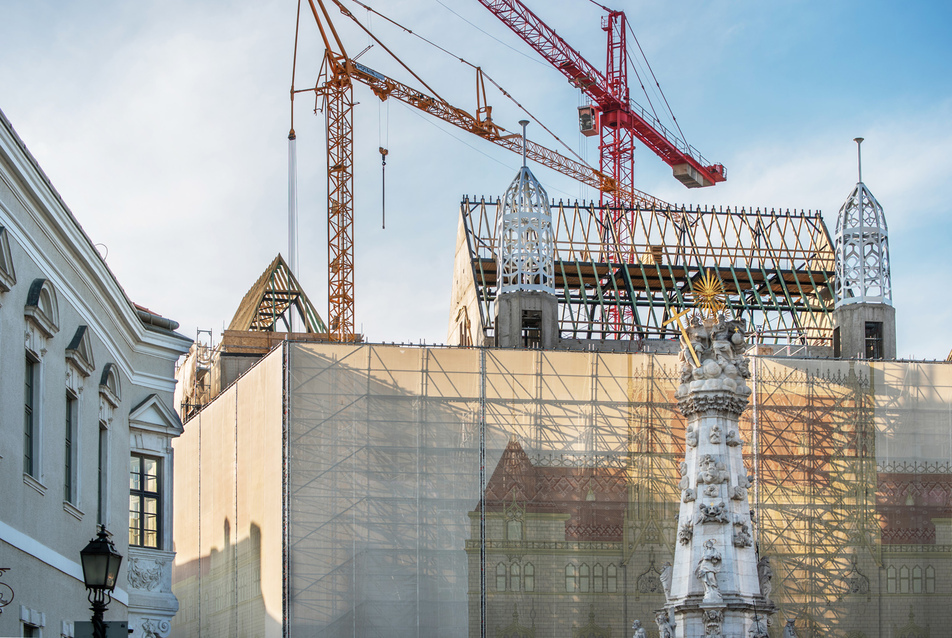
(684, 333)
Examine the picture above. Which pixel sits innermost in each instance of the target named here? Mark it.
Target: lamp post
(100, 571)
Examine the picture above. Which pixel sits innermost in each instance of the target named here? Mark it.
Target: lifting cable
(466, 62)
(650, 70)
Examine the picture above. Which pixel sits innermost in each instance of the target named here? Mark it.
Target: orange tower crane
(335, 87)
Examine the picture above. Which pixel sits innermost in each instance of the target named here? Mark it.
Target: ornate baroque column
(714, 589)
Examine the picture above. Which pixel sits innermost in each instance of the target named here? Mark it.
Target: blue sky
(163, 124)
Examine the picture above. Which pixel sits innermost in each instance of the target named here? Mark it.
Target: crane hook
(383, 187)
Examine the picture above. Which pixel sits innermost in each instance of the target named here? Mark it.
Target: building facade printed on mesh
(359, 511)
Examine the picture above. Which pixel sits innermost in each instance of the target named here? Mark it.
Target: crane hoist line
(334, 87)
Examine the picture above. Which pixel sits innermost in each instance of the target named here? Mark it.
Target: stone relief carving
(691, 436)
(733, 438)
(712, 514)
(711, 471)
(715, 436)
(665, 624)
(706, 571)
(155, 627)
(742, 537)
(685, 481)
(711, 491)
(713, 621)
(144, 573)
(765, 575)
(739, 491)
(688, 495)
(686, 533)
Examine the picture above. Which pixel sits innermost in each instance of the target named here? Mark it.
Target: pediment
(153, 415)
(79, 352)
(42, 306)
(109, 384)
(8, 276)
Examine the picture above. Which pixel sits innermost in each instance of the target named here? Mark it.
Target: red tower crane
(618, 119)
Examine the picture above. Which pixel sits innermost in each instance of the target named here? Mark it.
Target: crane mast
(617, 111)
(335, 87)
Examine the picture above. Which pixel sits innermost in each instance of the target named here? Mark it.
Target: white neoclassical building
(86, 383)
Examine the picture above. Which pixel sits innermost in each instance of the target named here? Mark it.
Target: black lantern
(100, 571)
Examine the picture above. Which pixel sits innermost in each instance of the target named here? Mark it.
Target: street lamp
(100, 571)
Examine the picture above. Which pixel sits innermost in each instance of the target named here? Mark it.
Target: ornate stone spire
(862, 247)
(524, 231)
(715, 588)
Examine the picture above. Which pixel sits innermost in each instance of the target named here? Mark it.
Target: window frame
(70, 470)
(32, 407)
(142, 495)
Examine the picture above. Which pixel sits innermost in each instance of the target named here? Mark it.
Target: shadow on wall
(220, 594)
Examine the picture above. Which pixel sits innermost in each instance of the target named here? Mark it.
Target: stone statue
(789, 631)
(665, 624)
(765, 575)
(667, 573)
(758, 628)
(638, 629)
(706, 572)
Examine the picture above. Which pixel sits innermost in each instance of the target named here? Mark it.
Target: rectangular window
(144, 501)
(874, 339)
(29, 418)
(836, 343)
(101, 474)
(30, 631)
(69, 483)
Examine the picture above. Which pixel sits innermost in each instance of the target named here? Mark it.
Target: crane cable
(663, 97)
(471, 65)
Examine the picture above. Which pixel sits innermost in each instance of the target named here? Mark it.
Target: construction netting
(478, 492)
(339, 490)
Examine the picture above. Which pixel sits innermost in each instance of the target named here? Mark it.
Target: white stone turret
(715, 587)
(864, 320)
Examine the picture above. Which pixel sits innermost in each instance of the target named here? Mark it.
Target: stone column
(715, 589)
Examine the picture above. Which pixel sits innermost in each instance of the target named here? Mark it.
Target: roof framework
(623, 280)
(275, 296)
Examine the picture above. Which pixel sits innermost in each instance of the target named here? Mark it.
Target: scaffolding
(393, 529)
(624, 280)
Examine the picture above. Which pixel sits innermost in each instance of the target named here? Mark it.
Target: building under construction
(524, 481)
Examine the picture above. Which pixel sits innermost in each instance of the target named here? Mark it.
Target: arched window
(930, 579)
(903, 580)
(891, 580)
(500, 577)
(612, 578)
(916, 580)
(584, 578)
(598, 577)
(515, 577)
(570, 584)
(530, 577)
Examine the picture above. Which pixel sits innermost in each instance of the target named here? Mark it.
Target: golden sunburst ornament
(709, 294)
